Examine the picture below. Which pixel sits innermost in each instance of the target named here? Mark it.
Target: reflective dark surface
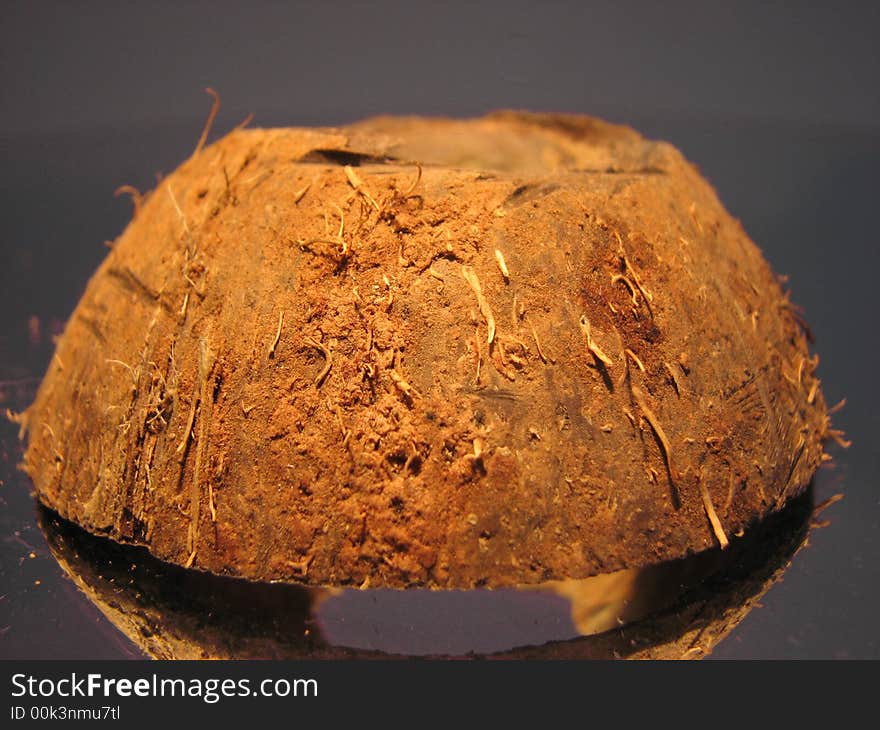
(778, 108)
(171, 613)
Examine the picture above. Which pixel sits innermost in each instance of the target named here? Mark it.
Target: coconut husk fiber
(428, 352)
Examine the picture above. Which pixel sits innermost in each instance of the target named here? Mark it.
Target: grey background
(778, 104)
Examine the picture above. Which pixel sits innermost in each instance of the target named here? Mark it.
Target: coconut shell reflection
(676, 610)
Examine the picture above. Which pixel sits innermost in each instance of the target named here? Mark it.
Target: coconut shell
(171, 613)
(426, 352)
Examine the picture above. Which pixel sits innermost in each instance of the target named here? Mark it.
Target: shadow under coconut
(680, 609)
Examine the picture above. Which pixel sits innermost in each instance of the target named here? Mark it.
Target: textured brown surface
(179, 415)
(171, 613)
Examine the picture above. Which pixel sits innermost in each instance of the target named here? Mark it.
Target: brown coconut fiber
(427, 352)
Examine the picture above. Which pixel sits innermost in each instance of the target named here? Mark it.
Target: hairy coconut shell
(172, 613)
(429, 352)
